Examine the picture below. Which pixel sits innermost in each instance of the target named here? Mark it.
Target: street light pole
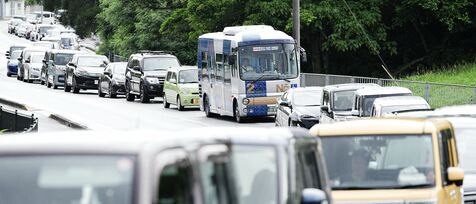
(296, 23)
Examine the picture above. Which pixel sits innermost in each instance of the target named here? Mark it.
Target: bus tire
(236, 113)
(206, 107)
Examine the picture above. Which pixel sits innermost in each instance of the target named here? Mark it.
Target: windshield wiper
(262, 76)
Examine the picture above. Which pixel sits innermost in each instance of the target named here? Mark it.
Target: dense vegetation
(464, 74)
(340, 36)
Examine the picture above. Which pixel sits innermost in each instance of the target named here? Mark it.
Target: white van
(48, 17)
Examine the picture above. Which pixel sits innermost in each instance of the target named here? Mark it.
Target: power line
(384, 66)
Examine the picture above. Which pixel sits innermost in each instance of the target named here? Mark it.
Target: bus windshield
(268, 62)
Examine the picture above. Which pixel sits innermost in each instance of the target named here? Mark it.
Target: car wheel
(129, 96)
(179, 104)
(43, 81)
(111, 93)
(9, 75)
(166, 104)
(66, 87)
(100, 93)
(143, 97)
(75, 86)
(236, 113)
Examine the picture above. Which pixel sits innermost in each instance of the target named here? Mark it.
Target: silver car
(54, 66)
(219, 165)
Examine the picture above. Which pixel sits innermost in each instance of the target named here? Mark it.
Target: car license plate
(195, 101)
(96, 82)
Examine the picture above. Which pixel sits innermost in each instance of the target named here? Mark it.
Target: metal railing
(437, 94)
(13, 121)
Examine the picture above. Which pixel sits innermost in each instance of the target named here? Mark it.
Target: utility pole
(42, 8)
(297, 22)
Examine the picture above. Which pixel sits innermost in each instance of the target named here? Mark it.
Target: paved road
(103, 113)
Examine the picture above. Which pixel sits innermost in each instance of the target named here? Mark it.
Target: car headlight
(151, 80)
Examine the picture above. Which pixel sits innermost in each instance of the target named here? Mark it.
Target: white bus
(244, 69)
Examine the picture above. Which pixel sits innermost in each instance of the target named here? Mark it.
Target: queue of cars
(380, 160)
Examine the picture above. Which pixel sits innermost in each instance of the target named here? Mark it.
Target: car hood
(189, 86)
(93, 70)
(36, 65)
(161, 73)
(314, 111)
(13, 62)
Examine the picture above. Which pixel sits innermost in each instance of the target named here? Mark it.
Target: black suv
(146, 72)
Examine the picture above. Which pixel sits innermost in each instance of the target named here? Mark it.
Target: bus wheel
(206, 107)
(236, 112)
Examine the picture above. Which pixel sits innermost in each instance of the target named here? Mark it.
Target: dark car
(299, 107)
(145, 74)
(83, 72)
(12, 63)
(213, 166)
(111, 82)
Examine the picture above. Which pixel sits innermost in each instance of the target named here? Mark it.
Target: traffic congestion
(340, 143)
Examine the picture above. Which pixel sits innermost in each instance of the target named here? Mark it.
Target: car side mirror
(44, 61)
(456, 175)
(136, 68)
(173, 81)
(284, 103)
(313, 196)
(303, 54)
(107, 73)
(27, 61)
(71, 64)
(354, 113)
(20, 59)
(325, 108)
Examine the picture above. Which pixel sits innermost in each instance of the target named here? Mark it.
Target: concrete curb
(67, 122)
(53, 116)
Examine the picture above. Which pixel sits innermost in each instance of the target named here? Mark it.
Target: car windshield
(67, 179)
(63, 59)
(368, 102)
(307, 98)
(120, 68)
(43, 30)
(391, 109)
(343, 100)
(15, 55)
(268, 62)
(16, 48)
(66, 41)
(377, 161)
(160, 63)
(91, 61)
(188, 76)
(37, 58)
(465, 138)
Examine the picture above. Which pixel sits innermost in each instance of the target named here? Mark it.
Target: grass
(458, 74)
(440, 95)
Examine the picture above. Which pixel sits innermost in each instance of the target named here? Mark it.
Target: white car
(388, 106)
(22, 29)
(48, 17)
(22, 61)
(32, 67)
(364, 98)
(69, 41)
(40, 31)
(55, 40)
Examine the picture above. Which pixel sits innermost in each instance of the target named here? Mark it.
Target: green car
(181, 88)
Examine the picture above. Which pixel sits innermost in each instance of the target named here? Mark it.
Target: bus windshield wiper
(262, 76)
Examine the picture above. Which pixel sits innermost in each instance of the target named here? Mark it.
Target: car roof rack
(142, 52)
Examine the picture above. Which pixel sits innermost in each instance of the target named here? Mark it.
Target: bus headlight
(246, 101)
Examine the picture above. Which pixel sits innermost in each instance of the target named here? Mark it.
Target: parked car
(299, 107)
(145, 74)
(40, 31)
(44, 44)
(54, 66)
(22, 28)
(392, 160)
(55, 40)
(48, 17)
(24, 56)
(463, 120)
(12, 24)
(181, 87)
(69, 41)
(394, 104)
(111, 81)
(12, 63)
(337, 101)
(83, 72)
(13, 48)
(32, 67)
(364, 98)
(211, 167)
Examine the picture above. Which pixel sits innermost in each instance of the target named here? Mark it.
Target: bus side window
(226, 65)
(232, 58)
(219, 66)
(204, 65)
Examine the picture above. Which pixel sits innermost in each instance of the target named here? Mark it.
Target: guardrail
(13, 121)
(437, 94)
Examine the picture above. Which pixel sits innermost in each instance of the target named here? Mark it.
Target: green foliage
(458, 74)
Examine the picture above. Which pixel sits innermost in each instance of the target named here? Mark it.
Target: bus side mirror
(303, 54)
(232, 60)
